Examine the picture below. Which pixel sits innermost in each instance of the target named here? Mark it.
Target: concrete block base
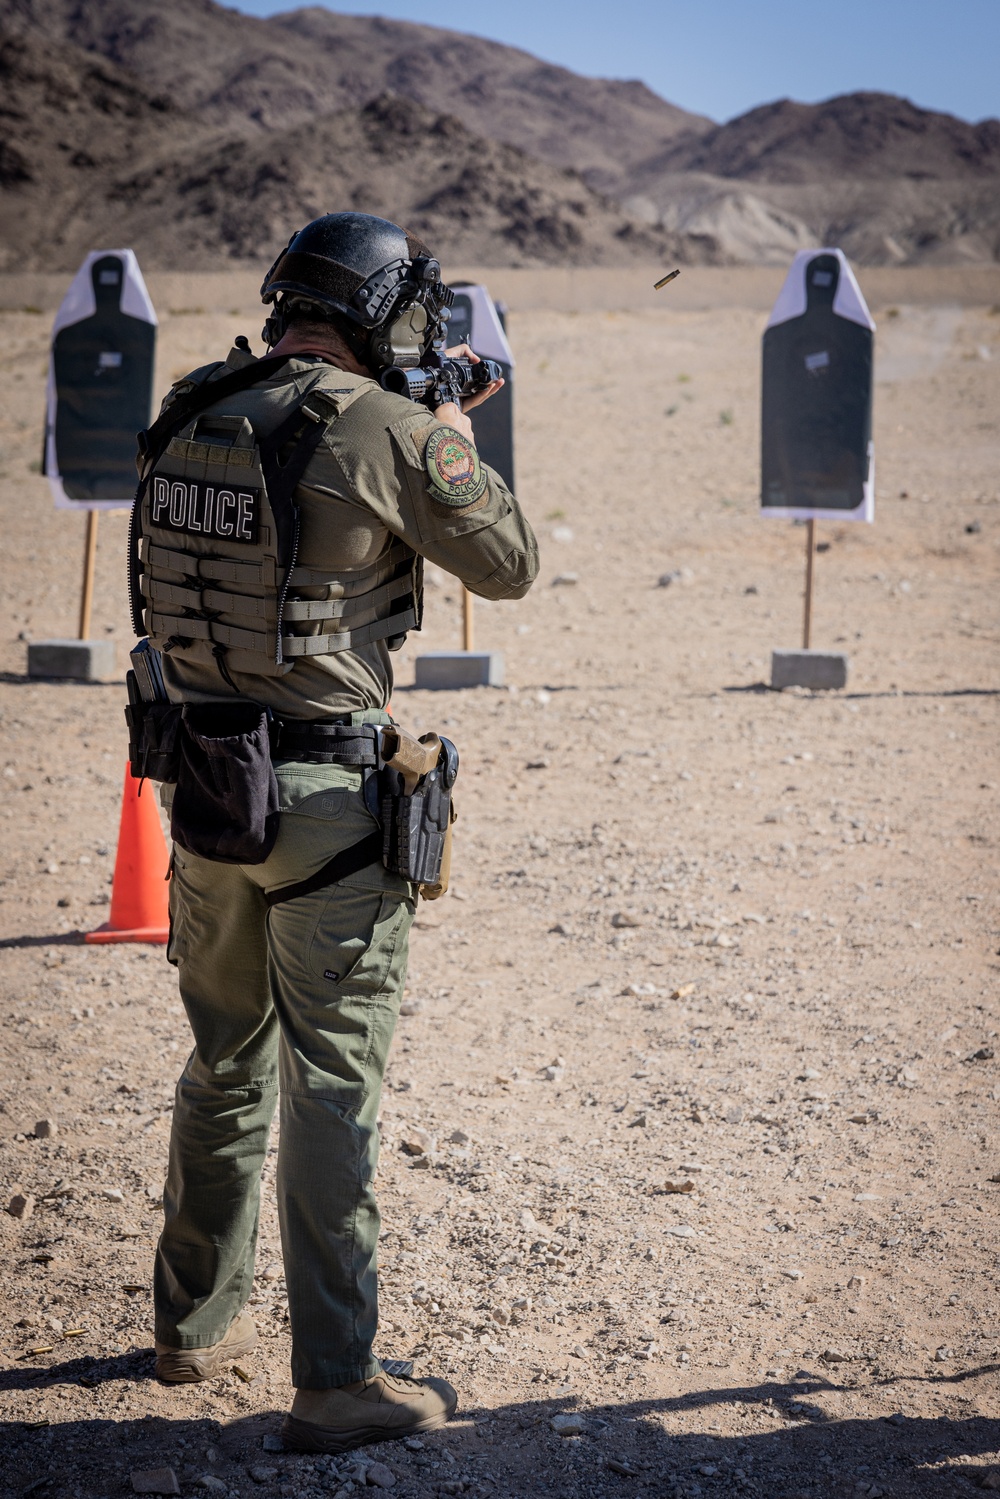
(820, 670)
(448, 670)
(77, 660)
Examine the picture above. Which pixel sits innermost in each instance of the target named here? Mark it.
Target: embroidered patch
(453, 467)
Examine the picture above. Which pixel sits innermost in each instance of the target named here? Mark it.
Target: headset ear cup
(273, 330)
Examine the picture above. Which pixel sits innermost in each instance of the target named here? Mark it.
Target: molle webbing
(153, 442)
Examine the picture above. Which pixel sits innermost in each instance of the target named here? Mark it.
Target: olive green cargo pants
(299, 1001)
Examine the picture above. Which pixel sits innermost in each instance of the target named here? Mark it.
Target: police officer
(276, 560)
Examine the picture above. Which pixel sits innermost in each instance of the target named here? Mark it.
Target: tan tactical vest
(218, 548)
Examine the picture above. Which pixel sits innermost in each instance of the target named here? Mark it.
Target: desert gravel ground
(689, 1130)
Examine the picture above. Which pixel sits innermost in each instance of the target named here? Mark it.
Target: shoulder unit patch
(453, 467)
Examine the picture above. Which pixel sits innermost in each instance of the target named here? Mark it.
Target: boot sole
(189, 1366)
(305, 1436)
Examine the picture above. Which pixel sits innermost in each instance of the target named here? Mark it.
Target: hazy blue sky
(721, 57)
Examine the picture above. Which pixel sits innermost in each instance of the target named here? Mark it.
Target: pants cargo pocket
(355, 939)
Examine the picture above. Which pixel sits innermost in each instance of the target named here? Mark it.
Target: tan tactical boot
(189, 1365)
(375, 1410)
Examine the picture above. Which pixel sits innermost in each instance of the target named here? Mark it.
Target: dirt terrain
(700, 1055)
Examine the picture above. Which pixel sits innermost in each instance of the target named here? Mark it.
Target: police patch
(453, 467)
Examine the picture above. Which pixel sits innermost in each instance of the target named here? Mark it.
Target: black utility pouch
(153, 740)
(414, 826)
(226, 803)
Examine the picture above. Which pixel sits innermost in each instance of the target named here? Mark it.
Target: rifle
(441, 380)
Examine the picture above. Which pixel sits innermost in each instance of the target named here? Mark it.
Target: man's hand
(462, 351)
(452, 415)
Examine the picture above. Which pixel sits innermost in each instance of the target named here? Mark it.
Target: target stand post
(439, 671)
(80, 660)
(822, 671)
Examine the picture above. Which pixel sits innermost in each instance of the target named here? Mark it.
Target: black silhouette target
(476, 321)
(816, 421)
(100, 383)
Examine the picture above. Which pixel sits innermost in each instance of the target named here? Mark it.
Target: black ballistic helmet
(382, 281)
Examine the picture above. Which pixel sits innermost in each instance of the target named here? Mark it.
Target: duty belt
(319, 743)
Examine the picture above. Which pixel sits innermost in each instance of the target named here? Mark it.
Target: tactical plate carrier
(216, 538)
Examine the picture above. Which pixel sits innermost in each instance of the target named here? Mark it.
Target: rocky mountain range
(198, 135)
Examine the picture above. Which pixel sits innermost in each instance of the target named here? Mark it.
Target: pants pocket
(357, 937)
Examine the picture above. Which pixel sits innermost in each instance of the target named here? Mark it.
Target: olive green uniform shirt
(367, 482)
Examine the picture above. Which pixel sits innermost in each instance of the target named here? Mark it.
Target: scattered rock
(639, 1122)
(619, 1465)
(112, 1194)
(625, 919)
(380, 1476)
(681, 1231)
(213, 1484)
(565, 580)
(562, 533)
(942, 1355)
(792, 1274)
(682, 991)
(273, 1271)
(416, 1141)
(991, 1480)
(261, 1474)
(835, 1356)
(984, 1054)
(154, 1481)
(272, 1443)
(568, 1424)
(21, 1205)
(459, 1137)
(47, 1129)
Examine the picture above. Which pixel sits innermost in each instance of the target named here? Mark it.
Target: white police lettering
(244, 526)
(227, 502)
(161, 498)
(198, 509)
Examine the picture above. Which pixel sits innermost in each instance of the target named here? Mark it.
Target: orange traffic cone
(139, 890)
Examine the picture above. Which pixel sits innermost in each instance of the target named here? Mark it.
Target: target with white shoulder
(100, 383)
(817, 458)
